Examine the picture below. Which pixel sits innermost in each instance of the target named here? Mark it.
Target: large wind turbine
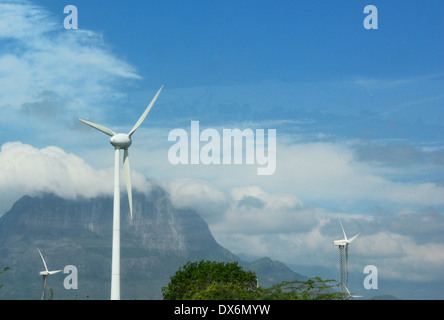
(45, 275)
(343, 264)
(120, 141)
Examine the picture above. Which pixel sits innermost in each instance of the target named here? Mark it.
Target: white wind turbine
(350, 295)
(343, 264)
(120, 141)
(45, 275)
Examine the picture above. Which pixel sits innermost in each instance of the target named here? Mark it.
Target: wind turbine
(45, 275)
(350, 296)
(120, 141)
(343, 264)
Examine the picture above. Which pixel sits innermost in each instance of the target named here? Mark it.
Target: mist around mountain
(78, 232)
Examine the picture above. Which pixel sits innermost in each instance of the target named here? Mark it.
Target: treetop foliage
(211, 280)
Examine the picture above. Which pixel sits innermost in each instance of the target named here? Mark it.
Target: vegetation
(210, 280)
(311, 289)
(1, 272)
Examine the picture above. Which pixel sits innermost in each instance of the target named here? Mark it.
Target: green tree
(210, 280)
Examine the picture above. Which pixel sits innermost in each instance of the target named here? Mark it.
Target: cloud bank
(403, 245)
(26, 170)
(250, 219)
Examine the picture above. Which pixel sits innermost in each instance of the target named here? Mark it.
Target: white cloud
(26, 170)
(317, 172)
(50, 76)
(328, 171)
(279, 225)
(198, 195)
(254, 211)
(399, 257)
(19, 20)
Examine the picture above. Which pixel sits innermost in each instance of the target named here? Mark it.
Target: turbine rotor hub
(120, 141)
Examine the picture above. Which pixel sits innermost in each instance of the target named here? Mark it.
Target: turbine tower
(343, 258)
(120, 141)
(45, 275)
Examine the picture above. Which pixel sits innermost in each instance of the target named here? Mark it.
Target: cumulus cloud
(255, 211)
(329, 171)
(400, 257)
(26, 170)
(258, 223)
(326, 173)
(198, 195)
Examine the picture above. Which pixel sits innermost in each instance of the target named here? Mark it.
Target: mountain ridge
(78, 232)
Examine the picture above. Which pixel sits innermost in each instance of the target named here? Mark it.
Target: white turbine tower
(343, 264)
(45, 275)
(120, 141)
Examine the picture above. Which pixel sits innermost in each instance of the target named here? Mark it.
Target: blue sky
(225, 42)
(358, 115)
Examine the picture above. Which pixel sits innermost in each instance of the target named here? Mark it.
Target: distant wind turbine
(120, 141)
(45, 275)
(350, 296)
(343, 264)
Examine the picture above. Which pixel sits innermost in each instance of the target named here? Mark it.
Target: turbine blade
(353, 238)
(44, 263)
(99, 127)
(127, 172)
(139, 122)
(345, 236)
(54, 272)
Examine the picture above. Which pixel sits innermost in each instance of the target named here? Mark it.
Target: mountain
(78, 232)
(271, 272)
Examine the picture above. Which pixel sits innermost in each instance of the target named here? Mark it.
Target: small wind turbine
(45, 275)
(343, 264)
(120, 141)
(350, 296)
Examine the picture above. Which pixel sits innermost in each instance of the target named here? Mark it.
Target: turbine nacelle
(345, 241)
(45, 273)
(120, 141)
(342, 242)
